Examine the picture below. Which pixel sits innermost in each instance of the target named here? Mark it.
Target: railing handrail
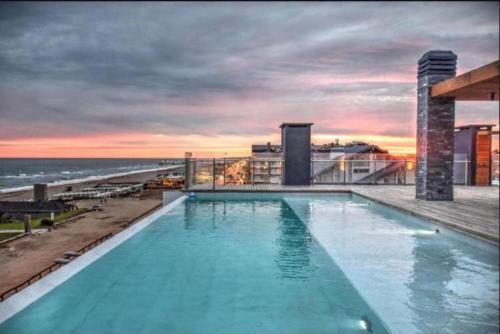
(313, 159)
(378, 160)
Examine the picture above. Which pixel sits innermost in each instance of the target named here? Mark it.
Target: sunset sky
(159, 79)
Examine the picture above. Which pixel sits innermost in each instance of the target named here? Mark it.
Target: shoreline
(26, 193)
(88, 179)
(23, 257)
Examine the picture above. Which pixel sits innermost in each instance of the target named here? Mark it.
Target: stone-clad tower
(435, 128)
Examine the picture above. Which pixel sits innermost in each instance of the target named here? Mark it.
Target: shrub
(47, 222)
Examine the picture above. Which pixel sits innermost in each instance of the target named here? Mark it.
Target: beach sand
(28, 194)
(37, 252)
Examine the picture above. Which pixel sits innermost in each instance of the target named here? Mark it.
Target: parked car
(97, 208)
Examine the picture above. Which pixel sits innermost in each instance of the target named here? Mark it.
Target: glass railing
(361, 171)
(376, 172)
(241, 171)
(495, 172)
(236, 171)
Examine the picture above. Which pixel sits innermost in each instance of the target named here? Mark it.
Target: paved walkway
(36, 230)
(475, 210)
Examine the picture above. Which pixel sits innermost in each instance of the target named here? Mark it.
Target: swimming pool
(277, 263)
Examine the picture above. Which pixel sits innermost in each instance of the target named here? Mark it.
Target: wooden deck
(474, 211)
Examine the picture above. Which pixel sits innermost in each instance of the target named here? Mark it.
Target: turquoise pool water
(278, 264)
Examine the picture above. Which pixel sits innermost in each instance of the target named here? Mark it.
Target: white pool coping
(27, 296)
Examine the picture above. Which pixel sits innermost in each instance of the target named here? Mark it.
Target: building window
(361, 170)
(364, 163)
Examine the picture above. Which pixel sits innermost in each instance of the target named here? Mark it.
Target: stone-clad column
(435, 128)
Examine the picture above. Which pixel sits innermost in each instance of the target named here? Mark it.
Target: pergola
(438, 89)
(480, 84)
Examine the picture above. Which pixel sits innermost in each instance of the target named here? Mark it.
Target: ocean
(17, 174)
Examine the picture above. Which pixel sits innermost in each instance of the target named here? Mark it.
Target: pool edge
(473, 233)
(26, 297)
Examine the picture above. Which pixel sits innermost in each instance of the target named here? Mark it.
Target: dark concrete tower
(40, 192)
(435, 128)
(296, 145)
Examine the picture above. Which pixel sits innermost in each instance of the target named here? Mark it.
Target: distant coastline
(88, 179)
(20, 174)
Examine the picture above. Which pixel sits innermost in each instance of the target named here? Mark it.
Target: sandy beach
(54, 189)
(24, 257)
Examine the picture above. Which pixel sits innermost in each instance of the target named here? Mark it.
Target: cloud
(215, 69)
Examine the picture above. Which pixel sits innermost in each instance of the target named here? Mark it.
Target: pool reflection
(293, 257)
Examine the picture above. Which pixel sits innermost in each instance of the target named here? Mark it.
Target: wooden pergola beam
(480, 84)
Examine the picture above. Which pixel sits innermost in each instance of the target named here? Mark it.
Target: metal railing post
(343, 162)
(351, 172)
(194, 170)
(282, 165)
(404, 173)
(311, 178)
(213, 174)
(253, 169)
(187, 174)
(269, 170)
(466, 179)
(224, 171)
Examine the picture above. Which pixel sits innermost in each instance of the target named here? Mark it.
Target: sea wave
(90, 178)
(22, 176)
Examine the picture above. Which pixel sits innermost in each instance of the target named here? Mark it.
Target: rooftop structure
(268, 148)
(438, 89)
(104, 190)
(40, 193)
(17, 209)
(480, 84)
(295, 125)
(32, 206)
(473, 144)
(296, 146)
(326, 161)
(355, 147)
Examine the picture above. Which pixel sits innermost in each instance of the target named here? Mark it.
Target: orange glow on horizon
(138, 145)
